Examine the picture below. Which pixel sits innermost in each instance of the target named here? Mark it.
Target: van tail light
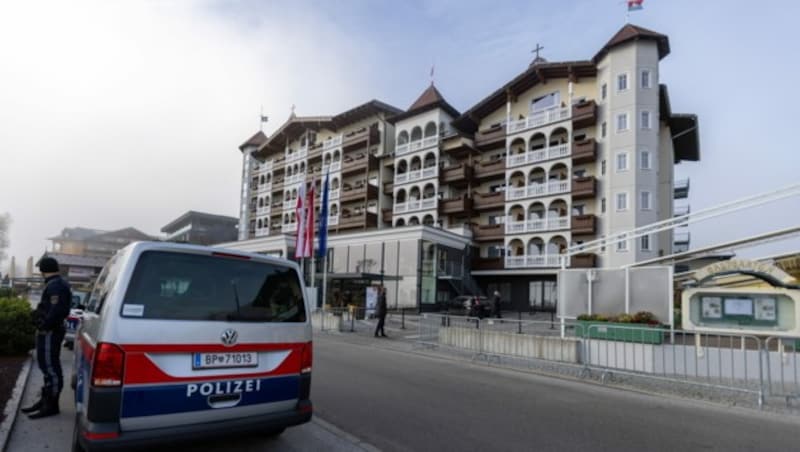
(109, 364)
(306, 356)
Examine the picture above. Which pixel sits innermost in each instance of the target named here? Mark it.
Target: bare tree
(5, 225)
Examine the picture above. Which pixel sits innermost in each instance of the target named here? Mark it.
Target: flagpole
(324, 279)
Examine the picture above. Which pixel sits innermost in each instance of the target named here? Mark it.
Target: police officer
(49, 317)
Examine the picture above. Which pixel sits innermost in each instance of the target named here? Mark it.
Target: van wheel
(76, 444)
(273, 432)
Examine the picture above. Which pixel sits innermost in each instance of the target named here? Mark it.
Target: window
(622, 245)
(645, 243)
(622, 82)
(645, 202)
(497, 219)
(622, 122)
(168, 285)
(603, 130)
(543, 103)
(579, 209)
(604, 91)
(644, 160)
(644, 122)
(579, 172)
(622, 201)
(622, 161)
(496, 251)
(603, 205)
(646, 79)
(603, 168)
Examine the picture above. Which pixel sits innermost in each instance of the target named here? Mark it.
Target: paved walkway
(55, 433)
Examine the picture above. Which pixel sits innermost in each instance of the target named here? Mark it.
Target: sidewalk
(55, 433)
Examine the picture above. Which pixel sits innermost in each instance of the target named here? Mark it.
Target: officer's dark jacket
(54, 305)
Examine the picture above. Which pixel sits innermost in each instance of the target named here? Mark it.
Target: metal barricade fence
(718, 360)
(781, 367)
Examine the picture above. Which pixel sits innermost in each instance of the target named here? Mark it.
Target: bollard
(519, 323)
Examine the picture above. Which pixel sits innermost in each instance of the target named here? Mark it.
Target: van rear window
(169, 285)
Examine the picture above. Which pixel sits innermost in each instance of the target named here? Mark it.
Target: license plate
(224, 360)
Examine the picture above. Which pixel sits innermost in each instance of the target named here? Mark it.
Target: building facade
(201, 228)
(564, 153)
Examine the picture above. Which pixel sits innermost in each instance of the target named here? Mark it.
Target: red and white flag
(308, 251)
(300, 213)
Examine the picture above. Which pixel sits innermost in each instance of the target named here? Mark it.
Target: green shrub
(16, 329)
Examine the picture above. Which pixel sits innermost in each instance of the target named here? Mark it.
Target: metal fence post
(402, 318)
(519, 322)
(352, 321)
(761, 373)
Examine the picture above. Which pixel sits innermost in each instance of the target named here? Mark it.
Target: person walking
(380, 311)
(49, 316)
(496, 304)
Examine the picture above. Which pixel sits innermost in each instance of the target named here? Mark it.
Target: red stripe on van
(139, 369)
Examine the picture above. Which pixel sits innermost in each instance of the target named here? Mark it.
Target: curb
(342, 434)
(12, 406)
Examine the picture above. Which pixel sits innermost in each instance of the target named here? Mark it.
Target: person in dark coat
(49, 316)
(496, 304)
(380, 311)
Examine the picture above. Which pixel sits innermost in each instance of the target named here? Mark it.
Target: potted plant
(642, 327)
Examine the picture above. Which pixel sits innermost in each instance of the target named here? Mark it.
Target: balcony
(491, 138)
(488, 201)
(536, 225)
(295, 178)
(262, 232)
(355, 194)
(681, 190)
(584, 224)
(333, 220)
(456, 174)
(583, 260)
(263, 188)
(289, 227)
(387, 216)
(277, 184)
(584, 187)
(457, 145)
(290, 204)
(456, 206)
(490, 170)
(539, 119)
(415, 175)
(296, 155)
(332, 167)
(415, 205)
(533, 190)
(360, 220)
(488, 232)
(359, 138)
(332, 143)
(388, 188)
(584, 114)
(264, 210)
(680, 242)
(360, 162)
(584, 151)
(533, 261)
(680, 211)
(487, 263)
(539, 155)
(315, 152)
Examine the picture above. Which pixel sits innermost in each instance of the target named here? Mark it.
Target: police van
(183, 341)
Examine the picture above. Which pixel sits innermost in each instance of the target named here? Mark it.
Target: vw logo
(229, 337)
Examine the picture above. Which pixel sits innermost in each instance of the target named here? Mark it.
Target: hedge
(16, 329)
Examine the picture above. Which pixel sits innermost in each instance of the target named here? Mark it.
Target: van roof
(169, 246)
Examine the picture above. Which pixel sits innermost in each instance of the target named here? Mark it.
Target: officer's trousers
(48, 354)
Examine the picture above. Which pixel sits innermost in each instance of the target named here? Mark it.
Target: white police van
(183, 341)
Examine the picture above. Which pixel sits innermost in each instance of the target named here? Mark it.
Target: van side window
(104, 283)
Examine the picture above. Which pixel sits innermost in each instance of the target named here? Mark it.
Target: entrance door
(543, 295)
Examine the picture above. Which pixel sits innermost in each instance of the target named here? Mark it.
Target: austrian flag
(304, 210)
(635, 5)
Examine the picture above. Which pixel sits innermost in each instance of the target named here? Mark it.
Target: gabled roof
(255, 141)
(363, 111)
(77, 233)
(128, 233)
(536, 73)
(430, 99)
(194, 215)
(632, 32)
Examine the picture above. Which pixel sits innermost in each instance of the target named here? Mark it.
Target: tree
(5, 225)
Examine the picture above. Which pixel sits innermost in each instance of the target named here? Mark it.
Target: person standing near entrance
(49, 316)
(496, 304)
(380, 311)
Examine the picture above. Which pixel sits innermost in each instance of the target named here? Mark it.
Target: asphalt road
(401, 401)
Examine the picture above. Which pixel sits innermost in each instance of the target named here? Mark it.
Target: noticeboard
(738, 309)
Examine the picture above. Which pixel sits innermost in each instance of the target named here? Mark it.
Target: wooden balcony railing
(483, 201)
(462, 205)
(488, 232)
(584, 114)
(486, 170)
(454, 174)
(584, 187)
(490, 138)
(487, 263)
(584, 151)
(585, 260)
(584, 224)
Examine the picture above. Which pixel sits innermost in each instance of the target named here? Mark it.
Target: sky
(129, 113)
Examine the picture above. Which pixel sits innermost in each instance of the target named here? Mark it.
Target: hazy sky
(116, 114)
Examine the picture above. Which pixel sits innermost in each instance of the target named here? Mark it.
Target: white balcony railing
(414, 205)
(430, 141)
(536, 225)
(401, 178)
(332, 167)
(264, 210)
(296, 155)
(402, 149)
(533, 190)
(262, 232)
(333, 220)
(295, 178)
(539, 119)
(539, 155)
(428, 172)
(290, 204)
(334, 194)
(414, 175)
(290, 227)
(264, 188)
(429, 203)
(534, 261)
(332, 142)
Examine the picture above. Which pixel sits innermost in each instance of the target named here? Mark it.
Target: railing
(263, 167)
(415, 205)
(430, 141)
(262, 232)
(429, 172)
(290, 227)
(332, 142)
(297, 155)
(290, 204)
(416, 145)
(534, 261)
(536, 225)
(539, 155)
(334, 194)
(333, 220)
(415, 175)
(429, 203)
(332, 167)
(402, 149)
(550, 188)
(295, 178)
(263, 210)
(539, 119)
(264, 188)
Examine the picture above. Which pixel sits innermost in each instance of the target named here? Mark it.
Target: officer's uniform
(51, 312)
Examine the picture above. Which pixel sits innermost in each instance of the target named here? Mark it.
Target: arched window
(556, 245)
(429, 191)
(537, 176)
(402, 137)
(335, 183)
(416, 163)
(517, 146)
(558, 137)
(400, 222)
(258, 223)
(536, 211)
(334, 210)
(558, 172)
(430, 160)
(416, 134)
(337, 156)
(517, 180)
(558, 208)
(413, 221)
(428, 220)
(260, 202)
(262, 180)
(538, 141)
(430, 129)
(402, 167)
(516, 213)
(516, 248)
(414, 194)
(535, 247)
(400, 197)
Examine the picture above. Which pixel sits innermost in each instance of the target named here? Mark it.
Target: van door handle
(224, 400)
